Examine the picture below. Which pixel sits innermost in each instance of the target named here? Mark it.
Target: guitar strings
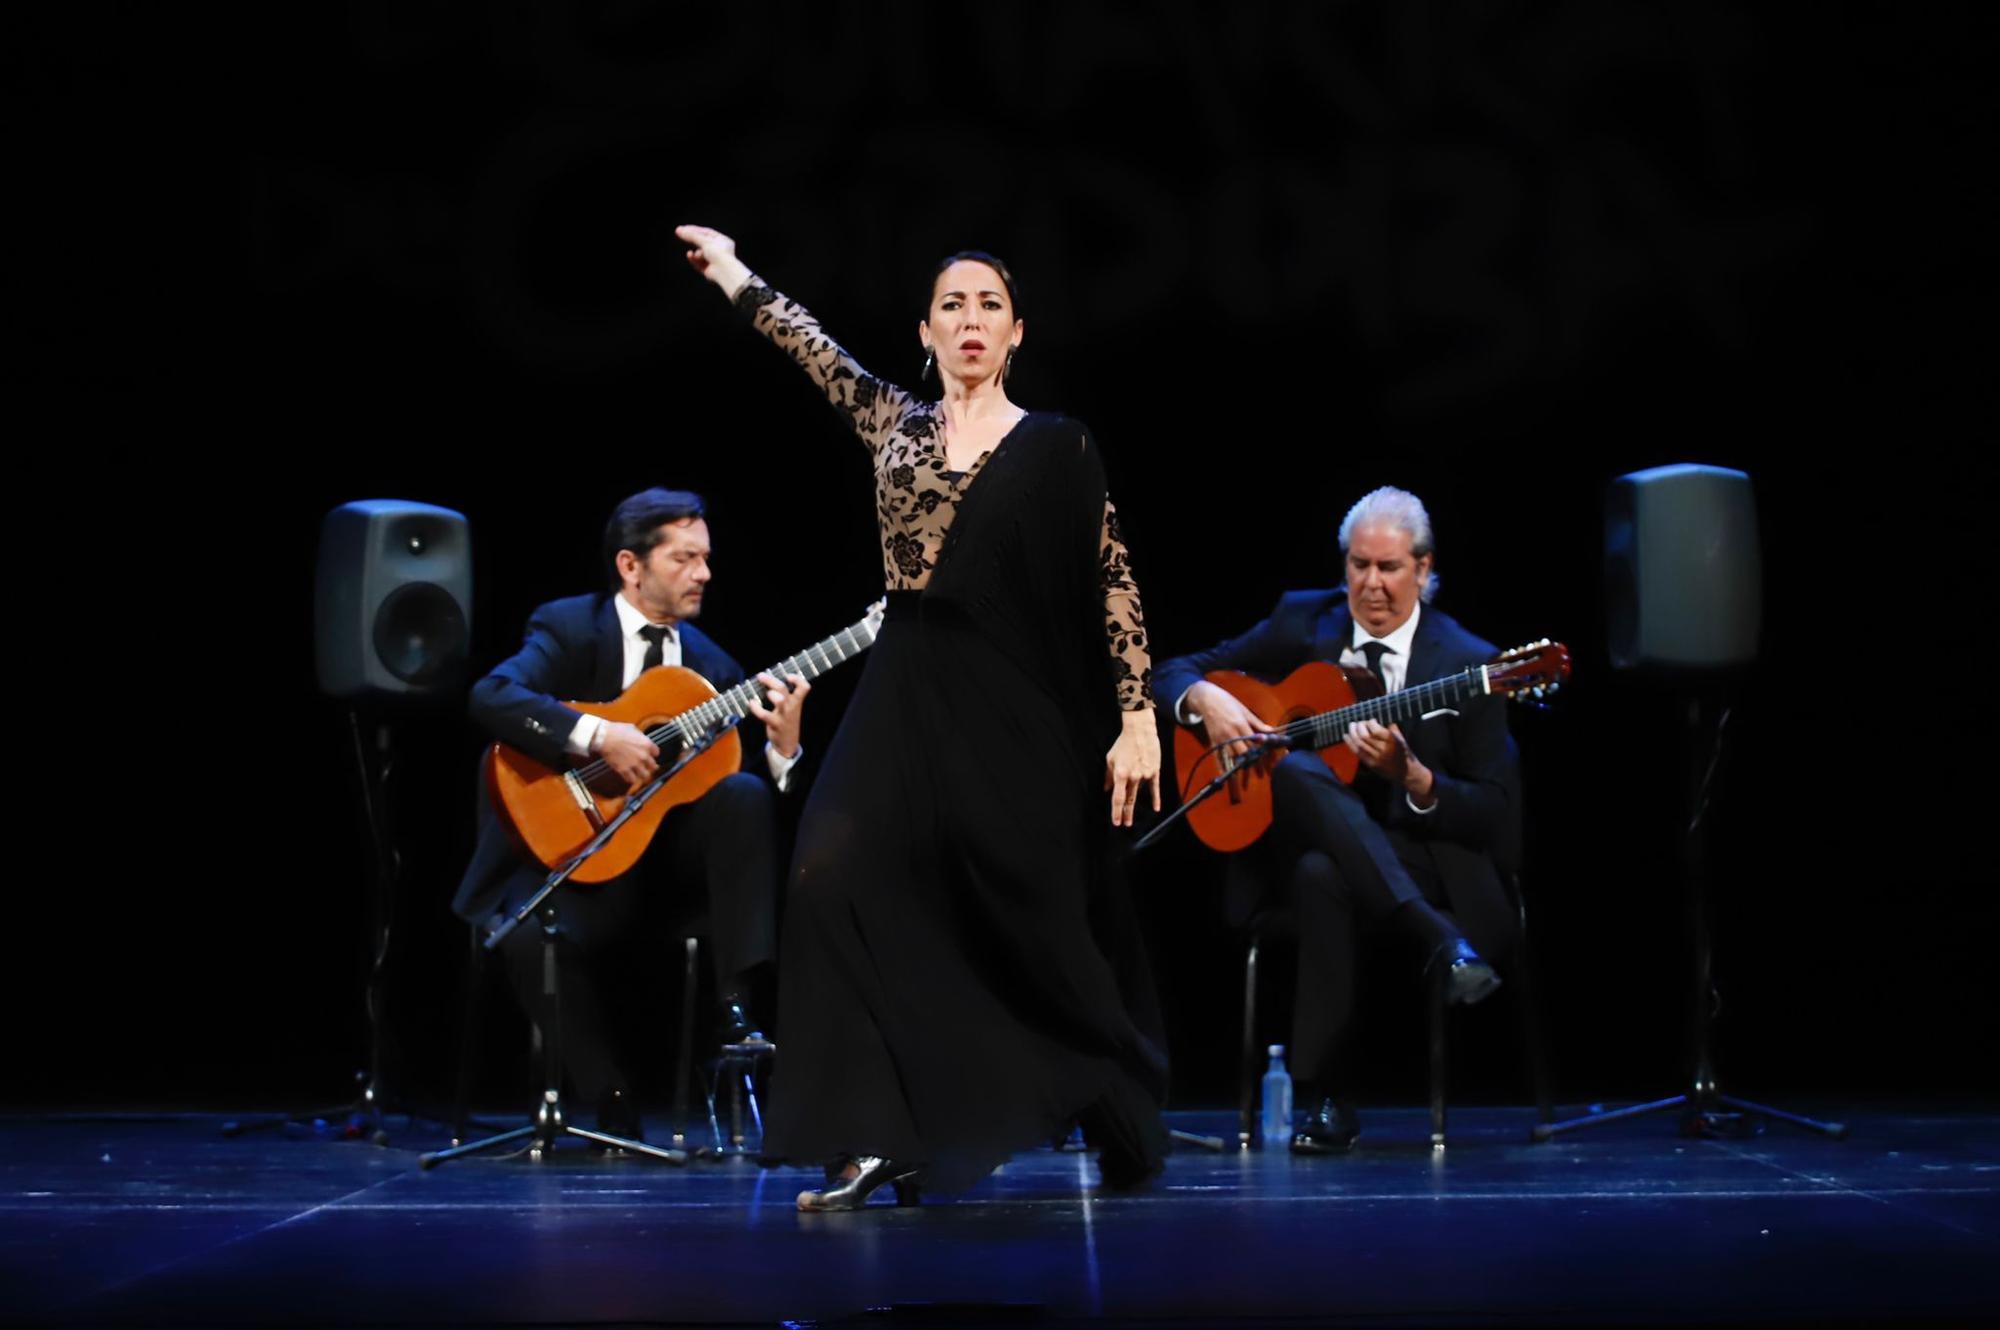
(1325, 723)
(1328, 725)
(1390, 705)
(800, 664)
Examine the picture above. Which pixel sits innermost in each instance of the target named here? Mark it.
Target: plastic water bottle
(1277, 1125)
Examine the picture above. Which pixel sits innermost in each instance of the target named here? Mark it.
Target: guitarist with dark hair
(590, 648)
(1411, 843)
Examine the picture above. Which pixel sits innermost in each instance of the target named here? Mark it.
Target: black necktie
(656, 652)
(1375, 651)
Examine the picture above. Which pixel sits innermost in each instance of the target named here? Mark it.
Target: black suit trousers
(717, 854)
(1344, 870)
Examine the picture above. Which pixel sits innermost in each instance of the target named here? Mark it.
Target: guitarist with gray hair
(721, 845)
(1411, 844)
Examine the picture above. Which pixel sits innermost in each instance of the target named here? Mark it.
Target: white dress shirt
(583, 738)
(1396, 660)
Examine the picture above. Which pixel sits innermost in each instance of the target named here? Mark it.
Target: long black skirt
(944, 999)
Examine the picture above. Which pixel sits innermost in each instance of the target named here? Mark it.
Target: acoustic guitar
(1312, 708)
(552, 813)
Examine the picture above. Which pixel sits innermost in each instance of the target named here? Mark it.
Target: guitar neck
(734, 704)
(1324, 730)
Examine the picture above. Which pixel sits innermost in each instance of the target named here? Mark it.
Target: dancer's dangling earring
(930, 358)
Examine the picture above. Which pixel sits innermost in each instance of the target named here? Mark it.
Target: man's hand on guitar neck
(627, 751)
(1384, 751)
(785, 714)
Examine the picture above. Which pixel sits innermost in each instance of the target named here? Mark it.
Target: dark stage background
(1275, 255)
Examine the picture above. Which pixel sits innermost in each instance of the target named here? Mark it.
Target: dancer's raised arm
(873, 407)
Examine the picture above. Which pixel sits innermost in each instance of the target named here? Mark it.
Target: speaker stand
(1705, 1109)
(364, 1116)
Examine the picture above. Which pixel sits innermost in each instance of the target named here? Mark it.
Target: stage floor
(160, 1218)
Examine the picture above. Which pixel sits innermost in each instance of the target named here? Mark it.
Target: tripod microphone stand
(548, 1124)
(1255, 748)
(1706, 1109)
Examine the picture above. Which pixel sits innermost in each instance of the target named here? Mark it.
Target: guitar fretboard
(734, 704)
(1325, 729)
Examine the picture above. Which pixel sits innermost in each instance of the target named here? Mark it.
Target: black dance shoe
(1470, 978)
(1125, 1171)
(734, 1026)
(871, 1171)
(1331, 1129)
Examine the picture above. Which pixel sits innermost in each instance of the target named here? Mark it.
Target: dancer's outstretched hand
(713, 255)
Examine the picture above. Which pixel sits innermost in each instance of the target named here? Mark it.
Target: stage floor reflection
(144, 1219)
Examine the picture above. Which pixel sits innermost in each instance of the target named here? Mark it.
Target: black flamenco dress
(947, 987)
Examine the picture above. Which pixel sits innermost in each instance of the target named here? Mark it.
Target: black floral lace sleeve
(1124, 618)
(873, 407)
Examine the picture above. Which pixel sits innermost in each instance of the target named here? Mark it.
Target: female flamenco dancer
(943, 999)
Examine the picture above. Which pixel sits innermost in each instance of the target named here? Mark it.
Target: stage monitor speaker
(1683, 574)
(394, 596)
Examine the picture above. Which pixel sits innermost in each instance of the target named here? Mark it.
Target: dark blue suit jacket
(1474, 830)
(572, 650)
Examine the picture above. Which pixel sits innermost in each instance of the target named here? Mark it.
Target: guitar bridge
(581, 793)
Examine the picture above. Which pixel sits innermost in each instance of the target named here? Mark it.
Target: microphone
(1228, 769)
(1244, 749)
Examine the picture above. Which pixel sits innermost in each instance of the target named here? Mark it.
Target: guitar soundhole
(1293, 717)
(609, 784)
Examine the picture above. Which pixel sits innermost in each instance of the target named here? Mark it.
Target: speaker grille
(420, 633)
(1683, 569)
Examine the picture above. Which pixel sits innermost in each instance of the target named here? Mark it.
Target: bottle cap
(1276, 1050)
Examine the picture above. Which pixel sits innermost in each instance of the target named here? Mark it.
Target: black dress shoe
(1123, 1169)
(1332, 1129)
(1470, 978)
(870, 1172)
